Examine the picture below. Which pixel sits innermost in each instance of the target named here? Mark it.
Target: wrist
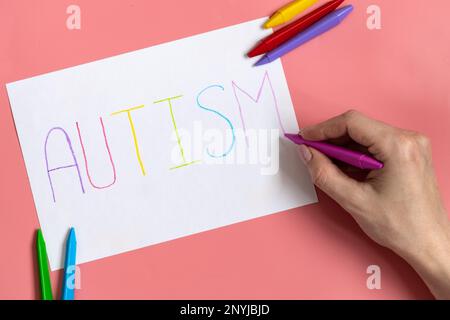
(431, 260)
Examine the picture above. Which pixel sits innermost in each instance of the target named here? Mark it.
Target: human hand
(398, 206)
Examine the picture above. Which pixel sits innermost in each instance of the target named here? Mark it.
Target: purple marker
(328, 22)
(354, 158)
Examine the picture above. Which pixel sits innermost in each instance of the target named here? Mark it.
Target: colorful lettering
(180, 146)
(220, 115)
(256, 100)
(72, 165)
(109, 154)
(133, 131)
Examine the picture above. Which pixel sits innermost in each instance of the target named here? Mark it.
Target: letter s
(220, 115)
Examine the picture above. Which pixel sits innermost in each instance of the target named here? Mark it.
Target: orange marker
(289, 11)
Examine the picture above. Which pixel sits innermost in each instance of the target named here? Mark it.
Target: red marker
(287, 32)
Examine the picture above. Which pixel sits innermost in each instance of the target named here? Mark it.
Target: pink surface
(399, 74)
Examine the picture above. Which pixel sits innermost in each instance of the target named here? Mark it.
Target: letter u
(86, 161)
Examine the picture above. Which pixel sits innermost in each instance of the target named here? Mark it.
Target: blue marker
(68, 289)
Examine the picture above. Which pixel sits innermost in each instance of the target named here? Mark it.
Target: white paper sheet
(128, 187)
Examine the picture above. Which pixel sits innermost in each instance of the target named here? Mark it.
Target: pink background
(399, 74)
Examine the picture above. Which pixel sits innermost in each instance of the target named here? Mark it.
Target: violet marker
(354, 158)
(328, 22)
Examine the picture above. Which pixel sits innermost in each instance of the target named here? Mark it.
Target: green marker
(44, 275)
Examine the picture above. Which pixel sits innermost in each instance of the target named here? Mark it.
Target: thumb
(331, 180)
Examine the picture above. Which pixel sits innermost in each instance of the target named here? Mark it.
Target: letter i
(180, 146)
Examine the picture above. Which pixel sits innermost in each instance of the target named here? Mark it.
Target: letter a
(374, 280)
(67, 166)
(74, 20)
(374, 20)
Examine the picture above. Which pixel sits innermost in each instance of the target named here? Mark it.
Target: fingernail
(304, 153)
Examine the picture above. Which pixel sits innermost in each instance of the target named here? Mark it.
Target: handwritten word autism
(130, 114)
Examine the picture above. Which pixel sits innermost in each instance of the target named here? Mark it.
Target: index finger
(361, 129)
(358, 127)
